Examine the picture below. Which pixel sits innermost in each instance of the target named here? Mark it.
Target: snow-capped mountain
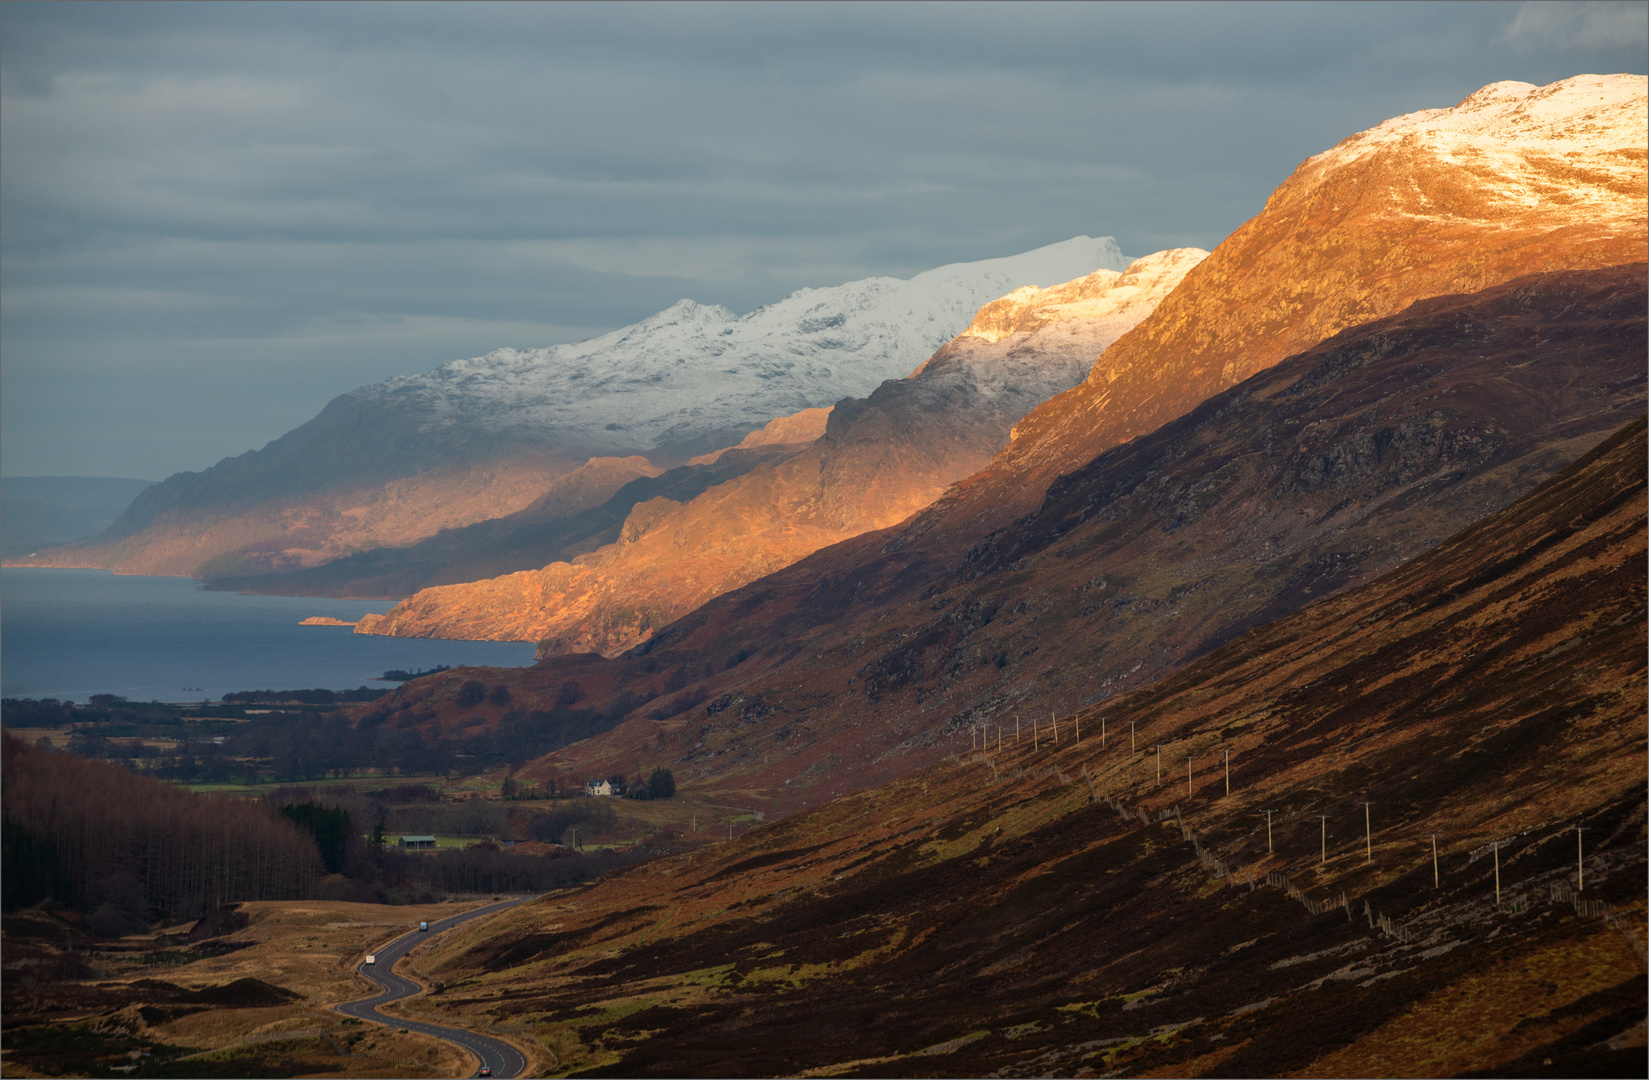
(477, 439)
(695, 377)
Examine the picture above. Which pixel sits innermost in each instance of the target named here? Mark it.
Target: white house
(598, 787)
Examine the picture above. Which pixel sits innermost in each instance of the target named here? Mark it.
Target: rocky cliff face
(482, 438)
(878, 460)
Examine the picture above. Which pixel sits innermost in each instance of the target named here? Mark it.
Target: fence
(1561, 893)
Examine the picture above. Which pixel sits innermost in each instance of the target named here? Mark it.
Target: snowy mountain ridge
(694, 376)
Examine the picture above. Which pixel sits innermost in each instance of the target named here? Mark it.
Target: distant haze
(40, 511)
(216, 217)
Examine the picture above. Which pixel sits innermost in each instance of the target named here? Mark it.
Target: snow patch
(693, 371)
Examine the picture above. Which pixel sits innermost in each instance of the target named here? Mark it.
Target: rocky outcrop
(878, 460)
(796, 431)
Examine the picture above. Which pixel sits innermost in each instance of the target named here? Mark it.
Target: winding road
(503, 1059)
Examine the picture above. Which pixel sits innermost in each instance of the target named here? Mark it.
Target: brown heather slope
(1059, 910)
(879, 460)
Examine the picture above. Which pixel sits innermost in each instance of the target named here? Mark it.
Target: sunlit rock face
(878, 460)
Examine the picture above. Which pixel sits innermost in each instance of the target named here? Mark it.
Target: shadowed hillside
(1052, 906)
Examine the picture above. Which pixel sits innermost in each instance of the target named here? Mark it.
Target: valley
(1220, 663)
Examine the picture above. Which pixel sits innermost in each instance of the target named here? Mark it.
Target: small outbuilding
(417, 843)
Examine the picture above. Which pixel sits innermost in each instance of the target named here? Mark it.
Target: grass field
(302, 955)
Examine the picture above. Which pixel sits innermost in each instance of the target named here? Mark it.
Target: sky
(216, 217)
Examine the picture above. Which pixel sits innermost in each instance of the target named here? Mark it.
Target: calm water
(74, 633)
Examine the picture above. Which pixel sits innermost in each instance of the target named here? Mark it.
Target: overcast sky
(216, 217)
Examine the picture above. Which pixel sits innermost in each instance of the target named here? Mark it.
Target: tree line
(119, 846)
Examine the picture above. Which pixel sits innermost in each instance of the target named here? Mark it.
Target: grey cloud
(1578, 24)
(200, 198)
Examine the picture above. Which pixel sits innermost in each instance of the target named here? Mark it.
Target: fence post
(1496, 845)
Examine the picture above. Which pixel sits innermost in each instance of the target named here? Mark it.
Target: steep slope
(481, 438)
(1314, 475)
(1514, 180)
(1384, 882)
(878, 461)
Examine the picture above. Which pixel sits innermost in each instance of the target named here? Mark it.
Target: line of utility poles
(982, 741)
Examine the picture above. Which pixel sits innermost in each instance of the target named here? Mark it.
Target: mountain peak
(1507, 121)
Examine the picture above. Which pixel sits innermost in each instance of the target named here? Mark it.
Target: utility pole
(1324, 818)
(1580, 862)
(1054, 719)
(973, 732)
(1227, 754)
(1436, 882)
(1368, 835)
(1016, 731)
(1159, 761)
(1268, 847)
(1036, 740)
(1077, 719)
(1130, 736)
(1102, 733)
(1496, 845)
(1188, 759)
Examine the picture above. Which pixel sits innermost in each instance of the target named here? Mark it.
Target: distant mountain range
(44, 511)
(483, 438)
(879, 460)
